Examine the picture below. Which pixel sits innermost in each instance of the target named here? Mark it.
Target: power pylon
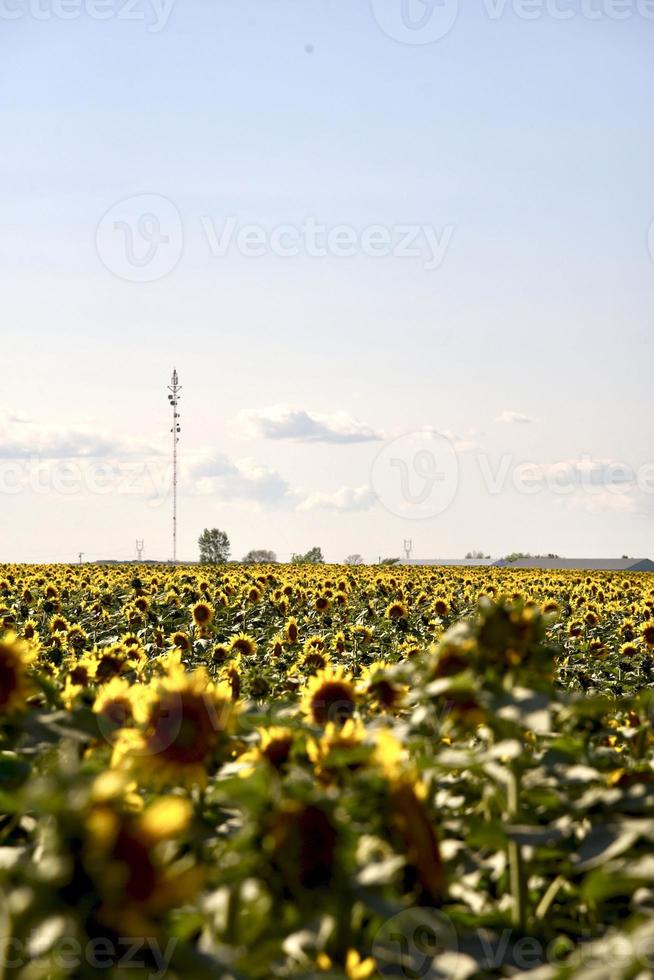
(408, 548)
(174, 388)
(139, 549)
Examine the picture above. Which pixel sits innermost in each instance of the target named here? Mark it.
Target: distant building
(582, 564)
(448, 562)
(546, 564)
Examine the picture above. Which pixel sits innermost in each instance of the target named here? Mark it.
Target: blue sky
(525, 147)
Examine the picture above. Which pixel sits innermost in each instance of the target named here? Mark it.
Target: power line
(174, 387)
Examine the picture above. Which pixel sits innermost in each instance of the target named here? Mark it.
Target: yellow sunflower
(291, 631)
(203, 614)
(329, 696)
(120, 704)
(243, 644)
(378, 684)
(16, 657)
(648, 634)
(397, 610)
(274, 748)
(133, 876)
(187, 724)
(339, 746)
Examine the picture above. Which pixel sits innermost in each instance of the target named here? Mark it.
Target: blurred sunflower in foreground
(16, 658)
(186, 727)
(123, 853)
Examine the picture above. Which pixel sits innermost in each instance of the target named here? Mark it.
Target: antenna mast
(174, 387)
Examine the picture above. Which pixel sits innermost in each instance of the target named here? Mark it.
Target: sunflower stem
(233, 908)
(516, 862)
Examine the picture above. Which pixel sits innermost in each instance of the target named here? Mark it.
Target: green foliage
(261, 556)
(488, 811)
(313, 557)
(214, 547)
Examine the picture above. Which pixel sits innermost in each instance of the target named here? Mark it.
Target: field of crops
(322, 771)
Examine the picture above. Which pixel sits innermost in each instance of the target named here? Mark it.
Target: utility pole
(80, 555)
(174, 388)
(139, 549)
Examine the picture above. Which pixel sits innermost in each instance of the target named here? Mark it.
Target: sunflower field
(325, 772)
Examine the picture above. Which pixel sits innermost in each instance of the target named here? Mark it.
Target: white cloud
(22, 438)
(241, 479)
(467, 443)
(604, 502)
(282, 422)
(346, 499)
(514, 418)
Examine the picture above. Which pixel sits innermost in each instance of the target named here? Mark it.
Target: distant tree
(477, 554)
(214, 547)
(260, 556)
(312, 557)
(389, 561)
(355, 559)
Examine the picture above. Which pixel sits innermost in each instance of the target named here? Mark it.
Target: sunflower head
(291, 631)
(243, 645)
(58, 624)
(322, 603)
(396, 610)
(118, 705)
(330, 697)
(277, 645)
(203, 614)
(16, 657)
(274, 748)
(648, 635)
(181, 641)
(378, 684)
(339, 747)
(126, 858)
(187, 723)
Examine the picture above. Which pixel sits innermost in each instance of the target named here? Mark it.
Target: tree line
(215, 549)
